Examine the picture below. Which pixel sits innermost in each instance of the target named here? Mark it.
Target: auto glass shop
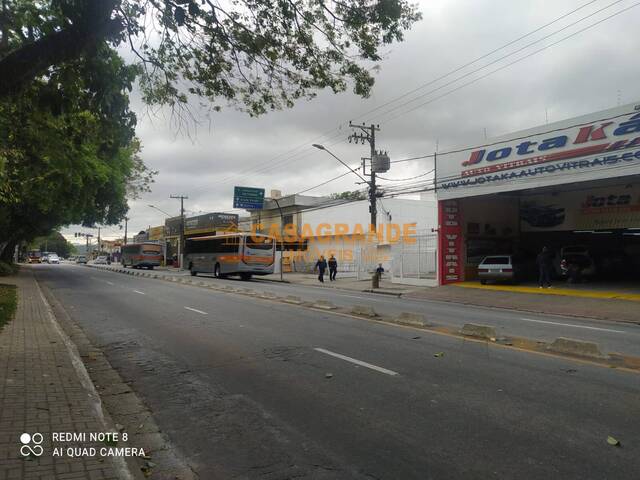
(573, 186)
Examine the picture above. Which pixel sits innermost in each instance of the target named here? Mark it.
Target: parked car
(53, 258)
(101, 260)
(503, 268)
(81, 259)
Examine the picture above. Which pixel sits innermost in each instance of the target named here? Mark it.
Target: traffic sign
(248, 197)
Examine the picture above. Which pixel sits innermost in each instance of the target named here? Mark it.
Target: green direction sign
(248, 198)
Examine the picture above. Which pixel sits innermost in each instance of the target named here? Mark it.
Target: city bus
(243, 254)
(34, 256)
(138, 255)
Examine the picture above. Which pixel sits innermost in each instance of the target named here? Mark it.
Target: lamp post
(281, 237)
(164, 243)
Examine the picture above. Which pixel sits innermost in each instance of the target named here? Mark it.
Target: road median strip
(562, 347)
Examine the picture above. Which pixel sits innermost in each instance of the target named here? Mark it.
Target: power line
(500, 68)
(477, 59)
(293, 152)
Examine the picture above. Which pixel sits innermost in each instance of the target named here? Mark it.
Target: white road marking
(138, 291)
(110, 283)
(574, 326)
(196, 310)
(357, 362)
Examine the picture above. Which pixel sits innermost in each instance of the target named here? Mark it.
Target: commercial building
(315, 226)
(197, 226)
(574, 183)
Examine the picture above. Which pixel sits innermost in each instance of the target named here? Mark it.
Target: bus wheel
(216, 271)
(192, 271)
(151, 267)
(245, 276)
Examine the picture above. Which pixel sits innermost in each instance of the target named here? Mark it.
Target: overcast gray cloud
(591, 71)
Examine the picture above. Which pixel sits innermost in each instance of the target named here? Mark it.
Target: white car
(53, 258)
(101, 260)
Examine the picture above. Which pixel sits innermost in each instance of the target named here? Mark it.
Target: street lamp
(159, 209)
(322, 147)
(164, 247)
(281, 237)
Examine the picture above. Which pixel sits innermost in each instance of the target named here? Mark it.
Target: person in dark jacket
(544, 262)
(321, 265)
(333, 268)
(379, 271)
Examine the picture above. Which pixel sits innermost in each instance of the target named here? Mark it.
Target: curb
(580, 348)
(485, 332)
(562, 347)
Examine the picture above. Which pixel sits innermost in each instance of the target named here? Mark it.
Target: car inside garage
(572, 187)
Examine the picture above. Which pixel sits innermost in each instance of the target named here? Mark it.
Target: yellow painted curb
(567, 292)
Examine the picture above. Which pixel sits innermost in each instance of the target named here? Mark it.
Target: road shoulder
(122, 404)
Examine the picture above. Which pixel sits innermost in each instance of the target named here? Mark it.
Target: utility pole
(126, 221)
(368, 134)
(99, 243)
(181, 241)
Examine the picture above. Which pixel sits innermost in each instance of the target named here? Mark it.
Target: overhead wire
(290, 154)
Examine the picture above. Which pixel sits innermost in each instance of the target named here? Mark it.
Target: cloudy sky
(590, 71)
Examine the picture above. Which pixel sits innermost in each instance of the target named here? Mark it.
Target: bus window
(259, 243)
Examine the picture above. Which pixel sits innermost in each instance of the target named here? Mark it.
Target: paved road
(240, 385)
(611, 336)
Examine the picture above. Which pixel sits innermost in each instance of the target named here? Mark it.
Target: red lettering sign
(450, 257)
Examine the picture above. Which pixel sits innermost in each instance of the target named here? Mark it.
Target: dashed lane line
(572, 325)
(356, 361)
(196, 310)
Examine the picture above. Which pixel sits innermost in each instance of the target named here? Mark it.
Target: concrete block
(268, 295)
(363, 310)
(576, 347)
(293, 300)
(324, 305)
(479, 331)
(411, 318)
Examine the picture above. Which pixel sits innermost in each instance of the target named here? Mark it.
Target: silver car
(497, 268)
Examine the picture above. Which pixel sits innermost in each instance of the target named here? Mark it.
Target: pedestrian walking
(379, 271)
(333, 268)
(321, 265)
(544, 262)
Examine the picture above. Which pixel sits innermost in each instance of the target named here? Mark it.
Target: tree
(350, 195)
(255, 54)
(69, 150)
(53, 242)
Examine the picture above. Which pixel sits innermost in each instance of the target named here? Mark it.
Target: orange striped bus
(243, 254)
(139, 255)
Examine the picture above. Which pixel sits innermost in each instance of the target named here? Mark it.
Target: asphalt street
(611, 336)
(248, 388)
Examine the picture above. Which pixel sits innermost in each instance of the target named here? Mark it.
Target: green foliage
(7, 268)
(54, 242)
(258, 55)
(350, 195)
(8, 300)
(68, 149)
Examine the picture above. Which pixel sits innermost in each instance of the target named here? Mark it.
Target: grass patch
(8, 303)
(8, 269)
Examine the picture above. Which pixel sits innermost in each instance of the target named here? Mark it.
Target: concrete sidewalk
(342, 283)
(44, 388)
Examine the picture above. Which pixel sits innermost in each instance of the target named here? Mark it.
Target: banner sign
(600, 145)
(450, 255)
(589, 209)
(248, 198)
